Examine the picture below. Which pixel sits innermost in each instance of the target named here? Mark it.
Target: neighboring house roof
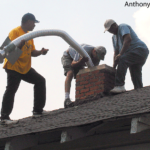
(129, 103)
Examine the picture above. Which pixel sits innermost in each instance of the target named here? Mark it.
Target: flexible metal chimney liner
(48, 32)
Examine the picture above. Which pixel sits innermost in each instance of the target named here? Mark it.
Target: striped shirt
(76, 56)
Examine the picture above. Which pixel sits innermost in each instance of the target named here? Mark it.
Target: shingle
(129, 103)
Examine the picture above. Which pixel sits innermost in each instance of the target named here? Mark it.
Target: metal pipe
(47, 32)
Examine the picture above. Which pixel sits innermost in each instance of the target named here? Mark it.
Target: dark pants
(135, 61)
(13, 81)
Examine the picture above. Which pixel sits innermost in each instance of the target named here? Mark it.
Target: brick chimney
(93, 81)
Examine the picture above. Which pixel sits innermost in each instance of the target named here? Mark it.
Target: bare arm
(115, 62)
(126, 43)
(79, 63)
(36, 53)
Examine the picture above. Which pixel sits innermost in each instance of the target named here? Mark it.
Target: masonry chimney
(93, 81)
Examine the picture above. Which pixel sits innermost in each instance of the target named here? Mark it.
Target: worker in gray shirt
(72, 62)
(129, 51)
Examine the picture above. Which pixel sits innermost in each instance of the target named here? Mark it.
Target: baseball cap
(100, 50)
(29, 16)
(108, 24)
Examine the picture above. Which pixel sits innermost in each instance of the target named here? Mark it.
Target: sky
(84, 21)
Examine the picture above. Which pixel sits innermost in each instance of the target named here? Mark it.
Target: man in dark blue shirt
(129, 51)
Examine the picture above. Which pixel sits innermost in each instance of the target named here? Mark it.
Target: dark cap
(29, 16)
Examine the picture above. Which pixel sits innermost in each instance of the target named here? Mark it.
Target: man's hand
(44, 51)
(36, 53)
(79, 63)
(115, 64)
(117, 57)
(22, 43)
(83, 60)
(116, 61)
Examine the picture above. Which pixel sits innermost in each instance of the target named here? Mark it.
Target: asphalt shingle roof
(129, 103)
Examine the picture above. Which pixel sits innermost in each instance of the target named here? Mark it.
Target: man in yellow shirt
(22, 70)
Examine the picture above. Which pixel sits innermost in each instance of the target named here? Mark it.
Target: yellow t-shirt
(23, 64)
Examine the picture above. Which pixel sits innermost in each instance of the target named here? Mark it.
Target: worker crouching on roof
(72, 62)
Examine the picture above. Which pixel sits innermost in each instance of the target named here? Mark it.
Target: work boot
(118, 89)
(8, 121)
(68, 103)
(37, 114)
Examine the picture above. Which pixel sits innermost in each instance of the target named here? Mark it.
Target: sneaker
(118, 89)
(37, 114)
(8, 121)
(68, 103)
